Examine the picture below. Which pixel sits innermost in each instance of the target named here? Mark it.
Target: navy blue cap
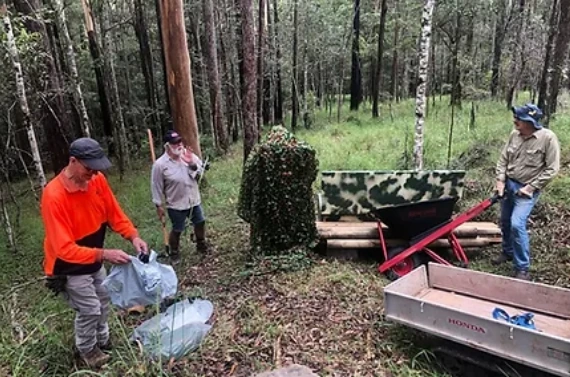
(90, 153)
(172, 137)
(529, 113)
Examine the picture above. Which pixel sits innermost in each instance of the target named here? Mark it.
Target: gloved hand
(500, 188)
(527, 191)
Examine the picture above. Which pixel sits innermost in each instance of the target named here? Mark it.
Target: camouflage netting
(276, 196)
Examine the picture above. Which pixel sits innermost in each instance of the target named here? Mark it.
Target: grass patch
(316, 311)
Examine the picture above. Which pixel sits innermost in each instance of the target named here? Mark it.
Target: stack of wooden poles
(363, 235)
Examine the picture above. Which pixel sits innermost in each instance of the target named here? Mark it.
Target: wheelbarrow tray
(457, 304)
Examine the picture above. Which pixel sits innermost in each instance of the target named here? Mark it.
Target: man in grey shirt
(529, 161)
(174, 177)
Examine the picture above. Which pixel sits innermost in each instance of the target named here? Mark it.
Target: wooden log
(441, 243)
(370, 230)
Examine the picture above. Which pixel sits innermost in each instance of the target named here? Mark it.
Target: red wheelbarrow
(422, 223)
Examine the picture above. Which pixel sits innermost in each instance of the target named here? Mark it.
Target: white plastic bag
(177, 331)
(139, 283)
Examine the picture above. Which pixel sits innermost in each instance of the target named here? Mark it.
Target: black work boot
(501, 259)
(202, 246)
(174, 244)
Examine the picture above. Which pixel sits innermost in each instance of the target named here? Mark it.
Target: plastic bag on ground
(177, 331)
(139, 283)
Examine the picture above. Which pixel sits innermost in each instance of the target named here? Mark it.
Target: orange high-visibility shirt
(75, 222)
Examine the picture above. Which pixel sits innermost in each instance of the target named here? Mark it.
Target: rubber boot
(202, 245)
(174, 244)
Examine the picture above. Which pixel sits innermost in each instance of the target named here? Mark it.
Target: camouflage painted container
(346, 193)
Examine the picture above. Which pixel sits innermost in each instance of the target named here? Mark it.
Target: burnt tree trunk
(249, 74)
(394, 75)
(295, 78)
(278, 83)
(543, 86)
(356, 71)
(260, 64)
(518, 64)
(145, 51)
(558, 58)
(377, 81)
(167, 109)
(500, 32)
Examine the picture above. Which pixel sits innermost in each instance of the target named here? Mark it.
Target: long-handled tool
(161, 218)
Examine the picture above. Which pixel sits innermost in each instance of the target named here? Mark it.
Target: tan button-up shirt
(533, 160)
(176, 181)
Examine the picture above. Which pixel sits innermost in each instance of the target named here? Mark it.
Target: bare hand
(188, 156)
(160, 212)
(116, 256)
(500, 188)
(140, 245)
(527, 190)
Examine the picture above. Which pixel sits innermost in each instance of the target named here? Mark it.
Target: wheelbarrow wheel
(406, 266)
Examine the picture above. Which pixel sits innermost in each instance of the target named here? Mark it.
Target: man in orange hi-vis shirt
(77, 206)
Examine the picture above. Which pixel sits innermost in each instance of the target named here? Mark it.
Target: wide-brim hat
(528, 113)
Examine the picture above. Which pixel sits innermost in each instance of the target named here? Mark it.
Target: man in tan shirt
(528, 162)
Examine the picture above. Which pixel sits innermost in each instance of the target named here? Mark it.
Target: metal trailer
(456, 305)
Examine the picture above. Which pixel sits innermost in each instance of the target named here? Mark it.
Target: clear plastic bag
(177, 331)
(139, 283)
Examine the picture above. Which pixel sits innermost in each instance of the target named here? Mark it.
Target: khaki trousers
(90, 299)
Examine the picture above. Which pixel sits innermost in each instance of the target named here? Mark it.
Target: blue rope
(523, 320)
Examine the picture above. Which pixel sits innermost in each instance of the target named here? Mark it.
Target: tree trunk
(233, 92)
(120, 134)
(518, 64)
(98, 63)
(75, 80)
(268, 80)
(295, 78)
(167, 108)
(455, 65)
(200, 83)
(22, 99)
(558, 58)
(377, 81)
(543, 86)
(145, 51)
(394, 76)
(249, 90)
(178, 65)
(500, 30)
(279, 87)
(55, 119)
(422, 78)
(260, 64)
(216, 99)
(356, 72)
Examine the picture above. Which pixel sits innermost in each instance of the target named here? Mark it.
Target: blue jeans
(178, 217)
(515, 210)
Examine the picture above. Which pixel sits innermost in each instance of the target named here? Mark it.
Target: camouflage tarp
(358, 192)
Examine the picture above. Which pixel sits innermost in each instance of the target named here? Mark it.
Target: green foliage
(276, 197)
